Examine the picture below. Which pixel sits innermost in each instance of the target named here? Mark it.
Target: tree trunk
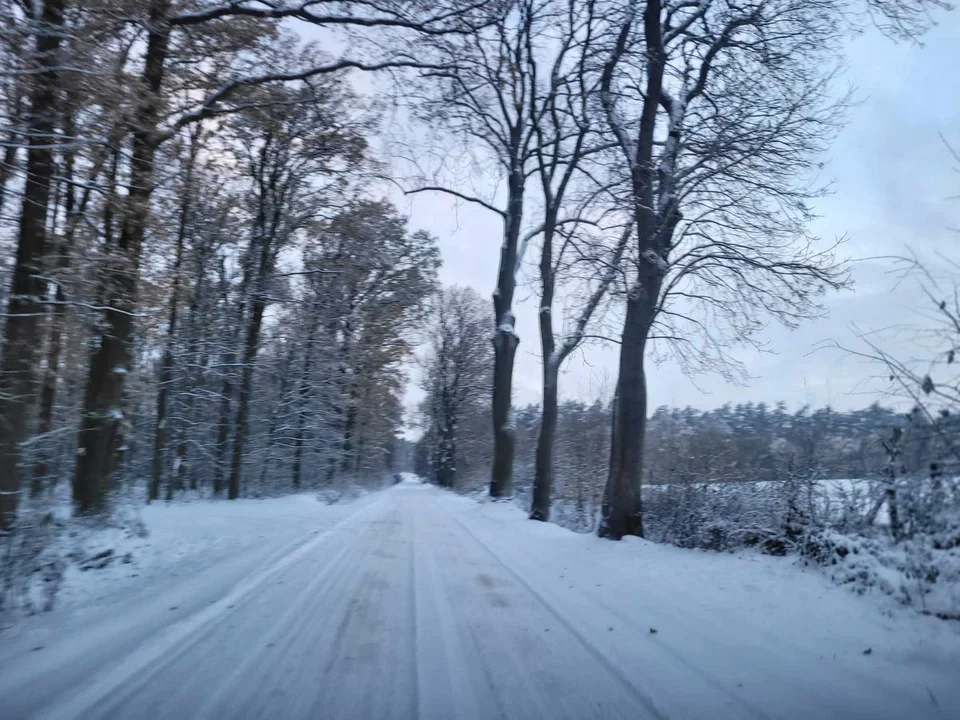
(223, 425)
(275, 416)
(543, 473)
(9, 162)
(349, 427)
(622, 507)
(246, 387)
(58, 317)
(161, 432)
(226, 401)
(18, 359)
(447, 450)
(101, 427)
(197, 359)
(297, 478)
(303, 393)
(505, 343)
(621, 512)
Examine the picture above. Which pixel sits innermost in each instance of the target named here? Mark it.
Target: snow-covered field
(414, 602)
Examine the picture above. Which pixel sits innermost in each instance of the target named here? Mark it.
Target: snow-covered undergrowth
(842, 526)
(920, 572)
(839, 526)
(54, 560)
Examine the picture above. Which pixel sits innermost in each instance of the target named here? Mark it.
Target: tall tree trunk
(303, 393)
(622, 506)
(18, 358)
(229, 359)
(543, 473)
(223, 425)
(161, 432)
(554, 357)
(349, 427)
(99, 442)
(197, 360)
(340, 421)
(505, 342)
(246, 387)
(9, 163)
(621, 512)
(447, 451)
(275, 415)
(72, 214)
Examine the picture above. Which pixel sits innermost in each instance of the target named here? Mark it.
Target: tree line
(663, 158)
(208, 284)
(205, 289)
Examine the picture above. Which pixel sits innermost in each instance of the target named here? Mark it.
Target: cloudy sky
(894, 182)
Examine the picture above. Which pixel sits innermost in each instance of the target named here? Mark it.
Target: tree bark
(275, 415)
(447, 440)
(58, 317)
(223, 425)
(349, 427)
(99, 443)
(505, 341)
(621, 512)
(18, 359)
(622, 506)
(161, 432)
(9, 162)
(543, 473)
(197, 359)
(261, 248)
(226, 402)
(303, 392)
(246, 387)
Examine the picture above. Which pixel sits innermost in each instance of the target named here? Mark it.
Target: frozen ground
(414, 602)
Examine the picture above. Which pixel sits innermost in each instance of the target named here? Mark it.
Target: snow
(415, 602)
(507, 324)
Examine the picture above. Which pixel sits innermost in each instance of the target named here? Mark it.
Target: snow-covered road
(416, 603)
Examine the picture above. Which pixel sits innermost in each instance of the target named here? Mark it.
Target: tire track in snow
(776, 678)
(644, 699)
(183, 635)
(497, 644)
(284, 632)
(747, 707)
(414, 609)
(448, 689)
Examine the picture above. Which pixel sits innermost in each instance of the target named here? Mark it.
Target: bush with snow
(836, 525)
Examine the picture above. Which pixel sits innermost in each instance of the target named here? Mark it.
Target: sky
(895, 188)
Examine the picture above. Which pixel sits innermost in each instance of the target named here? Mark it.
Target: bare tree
(19, 384)
(719, 111)
(161, 433)
(482, 90)
(456, 372)
(574, 197)
(102, 423)
(290, 147)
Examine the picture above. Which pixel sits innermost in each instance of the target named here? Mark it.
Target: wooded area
(210, 284)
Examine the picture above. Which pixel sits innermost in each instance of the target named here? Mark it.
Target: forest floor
(417, 603)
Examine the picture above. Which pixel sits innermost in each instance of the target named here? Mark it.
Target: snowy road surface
(416, 603)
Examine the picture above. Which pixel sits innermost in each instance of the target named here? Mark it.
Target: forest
(210, 285)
